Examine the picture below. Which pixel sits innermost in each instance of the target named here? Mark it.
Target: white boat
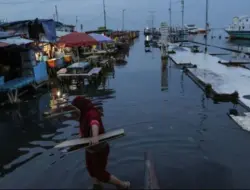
(240, 28)
(190, 27)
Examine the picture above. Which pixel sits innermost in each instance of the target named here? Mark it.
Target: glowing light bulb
(58, 93)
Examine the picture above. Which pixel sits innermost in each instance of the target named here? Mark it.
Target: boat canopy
(101, 38)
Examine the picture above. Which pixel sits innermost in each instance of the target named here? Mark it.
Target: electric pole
(56, 13)
(152, 15)
(76, 22)
(182, 11)
(206, 26)
(81, 27)
(104, 13)
(123, 19)
(170, 13)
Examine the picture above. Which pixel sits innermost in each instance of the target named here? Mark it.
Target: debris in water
(150, 127)
(205, 157)
(191, 139)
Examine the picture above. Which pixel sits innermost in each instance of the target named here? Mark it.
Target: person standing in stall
(97, 155)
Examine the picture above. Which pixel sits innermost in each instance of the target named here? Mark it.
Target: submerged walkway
(224, 80)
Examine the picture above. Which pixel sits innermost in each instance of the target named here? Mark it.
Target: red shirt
(92, 117)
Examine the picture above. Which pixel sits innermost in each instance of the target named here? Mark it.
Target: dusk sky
(137, 16)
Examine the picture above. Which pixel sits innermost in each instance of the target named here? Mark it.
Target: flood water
(193, 142)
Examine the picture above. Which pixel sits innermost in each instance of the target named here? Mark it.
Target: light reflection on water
(190, 137)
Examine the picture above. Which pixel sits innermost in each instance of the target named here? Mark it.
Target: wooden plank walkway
(224, 80)
(235, 62)
(228, 49)
(242, 121)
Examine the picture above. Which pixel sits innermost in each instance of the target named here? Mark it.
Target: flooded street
(193, 142)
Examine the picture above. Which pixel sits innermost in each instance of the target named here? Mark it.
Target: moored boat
(240, 28)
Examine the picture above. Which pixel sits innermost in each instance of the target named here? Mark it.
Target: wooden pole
(206, 26)
(56, 13)
(170, 14)
(104, 13)
(123, 19)
(151, 181)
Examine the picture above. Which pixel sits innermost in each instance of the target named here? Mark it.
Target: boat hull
(239, 34)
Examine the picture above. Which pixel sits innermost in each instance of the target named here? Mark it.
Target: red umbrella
(76, 39)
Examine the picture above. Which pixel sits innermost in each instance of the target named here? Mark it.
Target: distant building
(64, 27)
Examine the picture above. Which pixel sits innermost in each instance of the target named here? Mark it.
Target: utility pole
(56, 13)
(182, 11)
(170, 13)
(206, 26)
(152, 15)
(104, 13)
(76, 22)
(123, 19)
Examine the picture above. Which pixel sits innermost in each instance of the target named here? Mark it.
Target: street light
(123, 10)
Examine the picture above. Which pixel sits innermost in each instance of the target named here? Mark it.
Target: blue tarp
(1, 80)
(40, 72)
(16, 84)
(101, 38)
(49, 28)
(60, 63)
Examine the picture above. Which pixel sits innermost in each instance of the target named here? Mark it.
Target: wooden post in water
(151, 181)
(206, 26)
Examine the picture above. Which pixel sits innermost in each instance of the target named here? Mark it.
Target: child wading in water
(97, 155)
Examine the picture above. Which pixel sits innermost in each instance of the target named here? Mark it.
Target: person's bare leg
(97, 184)
(118, 183)
(96, 181)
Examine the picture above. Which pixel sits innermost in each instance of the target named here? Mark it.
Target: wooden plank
(151, 181)
(234, 62)
(85, 141)
(103, 62)
(68, 74)
(51, 114)
(95, 70)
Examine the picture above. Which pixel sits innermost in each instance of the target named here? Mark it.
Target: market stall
(76, 40)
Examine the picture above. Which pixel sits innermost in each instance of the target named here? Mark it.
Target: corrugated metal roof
(14, 41)
(4, 34)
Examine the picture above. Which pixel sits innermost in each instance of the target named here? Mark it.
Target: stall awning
(14, 41)
(101, 38)
(76, 39)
